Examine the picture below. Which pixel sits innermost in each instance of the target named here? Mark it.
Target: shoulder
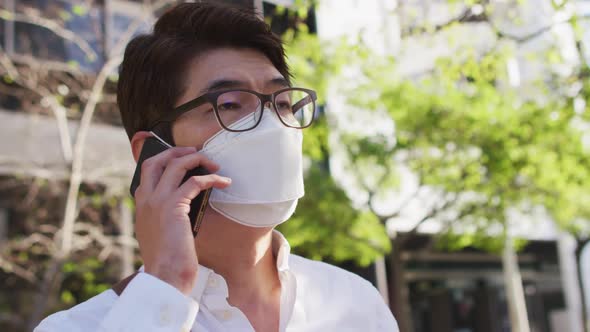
(146, 302)
(333, 284)
(80, 317)
(323, 288)
(316, 274)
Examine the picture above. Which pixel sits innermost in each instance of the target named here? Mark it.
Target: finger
(152, 168)
(176, 169)
(195, 184)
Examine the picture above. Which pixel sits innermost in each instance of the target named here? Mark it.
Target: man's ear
(137, 143)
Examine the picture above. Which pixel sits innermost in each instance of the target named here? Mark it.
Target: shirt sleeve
(374, 308)
(384, 319)
(147, 304)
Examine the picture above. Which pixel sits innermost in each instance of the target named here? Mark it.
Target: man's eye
(229, 107)
(283, 106)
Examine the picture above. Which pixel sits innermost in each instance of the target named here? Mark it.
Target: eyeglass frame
(211, 97)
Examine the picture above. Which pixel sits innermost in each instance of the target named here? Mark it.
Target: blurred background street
(449, 163)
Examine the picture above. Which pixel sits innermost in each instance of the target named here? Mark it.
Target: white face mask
(265, 165)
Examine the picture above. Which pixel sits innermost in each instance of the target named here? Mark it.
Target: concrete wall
(30, 145)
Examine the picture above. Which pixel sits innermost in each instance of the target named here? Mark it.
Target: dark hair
(151, 77)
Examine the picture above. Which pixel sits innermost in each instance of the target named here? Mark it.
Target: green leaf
(80, 10)
(67, 297)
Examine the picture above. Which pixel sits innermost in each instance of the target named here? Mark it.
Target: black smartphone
(151, 147)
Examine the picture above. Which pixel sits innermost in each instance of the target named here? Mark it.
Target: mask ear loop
(160, 139)
(164, 135)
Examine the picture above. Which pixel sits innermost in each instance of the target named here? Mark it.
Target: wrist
(182, 280)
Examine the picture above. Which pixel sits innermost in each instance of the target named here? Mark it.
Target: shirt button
(165, 315)
(212, 282)
(223, 315)
(226, 315)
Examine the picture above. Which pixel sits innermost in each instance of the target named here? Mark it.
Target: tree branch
(405, 202)
(537, 33)
(467, 16)
(47, 65)
(87, 114)
(49, 99)
(371, 245)
(54, 27)
(31, 240)
(53, 276)
(6, 62)
(59, 111)
(78, 153)
(434, 211)
(19, 271)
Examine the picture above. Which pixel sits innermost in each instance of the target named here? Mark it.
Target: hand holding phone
(151, 147)
(163, 198)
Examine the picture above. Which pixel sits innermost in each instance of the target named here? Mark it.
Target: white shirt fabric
(314, 297)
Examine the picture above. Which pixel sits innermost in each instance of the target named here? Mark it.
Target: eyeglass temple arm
(302, 103)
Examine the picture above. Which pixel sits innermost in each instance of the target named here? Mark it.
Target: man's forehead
(233, 67)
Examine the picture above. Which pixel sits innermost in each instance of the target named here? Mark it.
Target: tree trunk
(514, 292)
(398, 293)
(3, 226)
(580, 245)
(381, 276)
(50, 284)
(127, 250)
(569, 275)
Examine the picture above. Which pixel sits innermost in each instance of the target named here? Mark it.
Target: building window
(121, 14)
(39, 41)
(100, 23)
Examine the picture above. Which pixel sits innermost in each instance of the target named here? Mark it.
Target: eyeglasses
(295, 108)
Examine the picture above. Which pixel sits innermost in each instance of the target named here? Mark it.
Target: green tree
(326, 225)
(486, 149)
(482, 147)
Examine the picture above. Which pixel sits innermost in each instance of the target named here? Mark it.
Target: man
(212, 81)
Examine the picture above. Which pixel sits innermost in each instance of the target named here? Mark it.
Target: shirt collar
(280, 249)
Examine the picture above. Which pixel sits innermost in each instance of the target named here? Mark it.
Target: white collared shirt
(314, 297)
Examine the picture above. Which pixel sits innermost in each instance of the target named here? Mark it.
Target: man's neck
(242, 255)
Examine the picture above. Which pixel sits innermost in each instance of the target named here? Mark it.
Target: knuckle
(139, 193)
(200, 157)
(152, 203)
(175, 163)
(196, 181)
(147, 165)
(179, 151)
(152, 209)
(143, 195)
(204, 158)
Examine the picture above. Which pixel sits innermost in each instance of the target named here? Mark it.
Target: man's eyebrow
(223, 84)
(281, 81)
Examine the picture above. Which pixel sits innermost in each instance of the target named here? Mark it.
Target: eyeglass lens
(295, 107)
(232, 106)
